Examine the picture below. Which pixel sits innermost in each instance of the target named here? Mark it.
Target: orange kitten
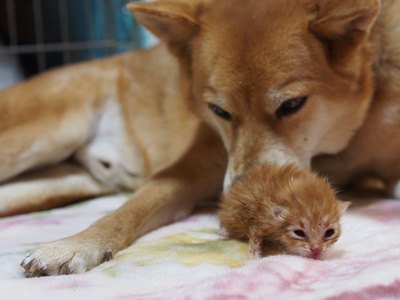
(285, 207)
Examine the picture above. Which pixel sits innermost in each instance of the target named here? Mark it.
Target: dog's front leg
(168, 196)
(159, 202)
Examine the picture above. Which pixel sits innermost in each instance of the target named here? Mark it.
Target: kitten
(285, 208)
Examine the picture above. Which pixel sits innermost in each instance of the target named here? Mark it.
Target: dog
(234, 84)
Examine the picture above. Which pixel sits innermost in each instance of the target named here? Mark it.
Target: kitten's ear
(344, 24)
(279, 212)
(343, 206)
(170, 20)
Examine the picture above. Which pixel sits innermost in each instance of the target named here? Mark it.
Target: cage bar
(102, 31)
(12, 22)
(39, 34)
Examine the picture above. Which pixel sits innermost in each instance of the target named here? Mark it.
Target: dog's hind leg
(39, 142)
(43, 121)
(51, 187)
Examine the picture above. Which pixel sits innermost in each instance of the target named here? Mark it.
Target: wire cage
(36, 35)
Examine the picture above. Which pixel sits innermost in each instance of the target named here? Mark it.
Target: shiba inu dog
(234, 84)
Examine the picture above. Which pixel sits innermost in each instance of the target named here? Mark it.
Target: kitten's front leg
(256, 241)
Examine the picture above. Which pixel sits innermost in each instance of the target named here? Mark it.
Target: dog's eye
(220, 112)
(300, 233)
(329, 233)
(291, 106)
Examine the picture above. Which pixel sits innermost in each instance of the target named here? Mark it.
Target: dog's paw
(64, 257)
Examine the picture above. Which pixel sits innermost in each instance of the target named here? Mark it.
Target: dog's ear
(344, 24)
(172, 21)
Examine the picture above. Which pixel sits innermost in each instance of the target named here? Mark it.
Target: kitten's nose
(315, 252)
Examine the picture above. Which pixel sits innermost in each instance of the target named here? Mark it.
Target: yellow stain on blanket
(186, 249)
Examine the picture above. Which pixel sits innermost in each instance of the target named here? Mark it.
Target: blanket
(188, 260)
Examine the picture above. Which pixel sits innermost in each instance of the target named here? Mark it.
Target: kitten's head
(308, 214)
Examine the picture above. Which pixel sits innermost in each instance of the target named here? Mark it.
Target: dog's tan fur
(142, 119)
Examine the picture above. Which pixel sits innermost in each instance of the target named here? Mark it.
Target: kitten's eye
(329, 233)
(300, 233)
(291, 106)
(220, 112)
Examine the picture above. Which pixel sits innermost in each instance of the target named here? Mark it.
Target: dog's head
(280, 81)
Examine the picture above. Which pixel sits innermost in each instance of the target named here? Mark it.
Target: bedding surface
(188, 260)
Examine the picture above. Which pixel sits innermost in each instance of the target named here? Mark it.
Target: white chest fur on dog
(104, 154)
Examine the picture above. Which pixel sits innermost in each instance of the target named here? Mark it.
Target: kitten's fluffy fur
(288, 209)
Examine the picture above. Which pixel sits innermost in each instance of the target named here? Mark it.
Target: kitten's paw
(223, 234)
(394, 189)
(64, 257)
(255, 254)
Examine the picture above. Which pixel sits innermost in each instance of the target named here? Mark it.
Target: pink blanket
(187, 260)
